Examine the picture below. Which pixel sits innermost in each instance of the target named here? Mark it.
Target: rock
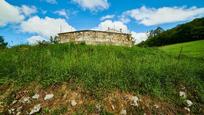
(11, 111)
(156, 106)
(188, 109)
(73, 103)
(182, 94)
(48, 96)
(36, 96)
(123, 112)
(35, 109)
(14, 102)
(18, 113)
(19, 109)
(113, 107)
(98, 107)
(134, 100)
(189, 103)
(25, 100)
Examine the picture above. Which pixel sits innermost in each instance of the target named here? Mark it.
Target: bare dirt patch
(66, 100)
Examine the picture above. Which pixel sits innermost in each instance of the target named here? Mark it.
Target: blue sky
(23, 21)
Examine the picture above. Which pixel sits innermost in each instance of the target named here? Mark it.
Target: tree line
(3, 44)
(190, 31)
(52, 40)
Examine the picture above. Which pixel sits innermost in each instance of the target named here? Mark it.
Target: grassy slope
(192, 49)
(101, 69)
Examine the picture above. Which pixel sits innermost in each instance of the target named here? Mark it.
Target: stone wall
(96, 37)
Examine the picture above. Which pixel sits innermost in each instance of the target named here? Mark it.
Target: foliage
(182, 33)
(151, 35)
(54, 40)
(3, 44)
(43, 43)
(155, 32)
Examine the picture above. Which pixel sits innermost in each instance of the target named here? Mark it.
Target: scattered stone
(113, 107)
(182, 94)
(14, 102)
(156, 106)
(25, 100)
(35, 109)
(188, 109)
(73, 103)
(123, 112)
(134, 100)
(189, 103)
(11, 111)
(98, 107)
(18, 113)
(19, 109)
(48, 96)
(36, 96)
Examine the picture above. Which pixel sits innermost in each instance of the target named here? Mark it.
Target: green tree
(54, 40)
(3, 44)
(155, 32)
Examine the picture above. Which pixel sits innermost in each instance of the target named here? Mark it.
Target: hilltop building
(93, 37)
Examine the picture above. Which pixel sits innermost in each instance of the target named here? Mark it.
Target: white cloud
(113, 25)
(125, 18)
(26, 10)
(152, 16)
(9, 13)
(93, 5)
(62, 12)
(45, 26)
(107, 17)
(36, 39)
(139, 37)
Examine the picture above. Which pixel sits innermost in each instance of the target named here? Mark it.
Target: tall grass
(100, 69)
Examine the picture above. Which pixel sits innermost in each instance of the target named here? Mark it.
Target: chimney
(120, 30)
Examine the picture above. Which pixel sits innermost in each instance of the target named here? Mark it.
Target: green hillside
(192, 49)
(99, 71)
(190, 31)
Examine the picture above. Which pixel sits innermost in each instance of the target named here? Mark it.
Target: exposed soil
(114, 102)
